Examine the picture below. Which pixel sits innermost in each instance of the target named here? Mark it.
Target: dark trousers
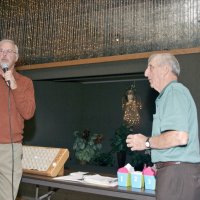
(178, 182)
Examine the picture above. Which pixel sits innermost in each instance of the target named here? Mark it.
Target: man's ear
(166, 70)
(17, 57)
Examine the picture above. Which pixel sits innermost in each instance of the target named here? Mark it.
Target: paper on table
(78, 173)
(101, 180)
(75, 176)
(90, 179)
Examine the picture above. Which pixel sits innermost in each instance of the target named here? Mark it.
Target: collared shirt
(22, 107)
(176, 110)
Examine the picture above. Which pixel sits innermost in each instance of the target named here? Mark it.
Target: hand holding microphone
(8, 76)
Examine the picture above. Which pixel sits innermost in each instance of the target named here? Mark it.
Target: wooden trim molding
(106, 59)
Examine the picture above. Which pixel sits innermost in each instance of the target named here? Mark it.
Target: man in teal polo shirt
(175, 141)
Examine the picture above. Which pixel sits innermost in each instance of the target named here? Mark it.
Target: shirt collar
(162, 92)
(16, 74)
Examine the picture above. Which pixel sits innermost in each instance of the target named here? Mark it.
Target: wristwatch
(147, 143)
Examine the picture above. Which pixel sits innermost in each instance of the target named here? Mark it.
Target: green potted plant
(118, 144)
(104, 159)
(86, 145)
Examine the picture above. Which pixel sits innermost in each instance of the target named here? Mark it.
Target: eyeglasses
(7, 51)
(151, 67)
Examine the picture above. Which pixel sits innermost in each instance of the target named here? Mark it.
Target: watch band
(147, 143)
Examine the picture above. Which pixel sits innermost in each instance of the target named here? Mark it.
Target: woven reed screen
(60, 30)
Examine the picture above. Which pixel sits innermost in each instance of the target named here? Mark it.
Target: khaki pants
(178, 182)
(6, 162)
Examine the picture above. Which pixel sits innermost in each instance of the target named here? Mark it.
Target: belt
(160, 165)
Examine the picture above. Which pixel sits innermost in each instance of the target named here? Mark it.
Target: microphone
(4, 67)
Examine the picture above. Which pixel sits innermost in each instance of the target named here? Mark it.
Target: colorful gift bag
(124, 179)
(149, 178)
(137, 180)
(124, 175)
(150, 182)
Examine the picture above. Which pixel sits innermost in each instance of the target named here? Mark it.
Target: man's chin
(151, 85)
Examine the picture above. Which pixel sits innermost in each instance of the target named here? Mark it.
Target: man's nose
(146, 72)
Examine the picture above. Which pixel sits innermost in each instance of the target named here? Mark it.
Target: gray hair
(12, 42)
(167, 59)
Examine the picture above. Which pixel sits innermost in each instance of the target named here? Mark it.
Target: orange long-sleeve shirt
(22, 107)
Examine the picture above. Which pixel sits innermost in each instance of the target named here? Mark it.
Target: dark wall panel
(63, 107)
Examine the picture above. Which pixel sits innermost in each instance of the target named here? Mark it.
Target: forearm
(169, 139)
(165, 140)
(25, 100)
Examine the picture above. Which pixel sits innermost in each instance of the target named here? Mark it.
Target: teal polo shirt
(176, 110)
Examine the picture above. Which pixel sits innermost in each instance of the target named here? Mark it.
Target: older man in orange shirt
(17, 103)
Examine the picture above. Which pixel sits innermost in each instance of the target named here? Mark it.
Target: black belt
(160, 165)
